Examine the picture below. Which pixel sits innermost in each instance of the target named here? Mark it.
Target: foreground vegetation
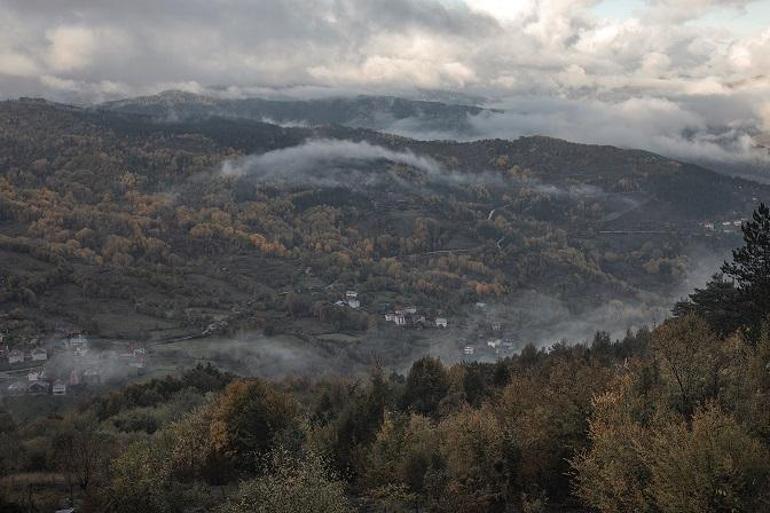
(674, 419)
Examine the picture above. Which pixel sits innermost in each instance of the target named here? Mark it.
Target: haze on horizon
(685, 78)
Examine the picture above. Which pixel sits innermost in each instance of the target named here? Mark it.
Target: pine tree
(750, 267)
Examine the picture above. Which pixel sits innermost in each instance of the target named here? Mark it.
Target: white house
(39, 354)
(354, 303)
(78, 340)
(495, 344)
(15, 356)
(59, 388)
(399, 319)
(441, 322)
(469, 350)
(36, 375)
(351, 294)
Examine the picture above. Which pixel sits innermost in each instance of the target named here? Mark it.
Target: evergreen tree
(720, 303)
(750, 267)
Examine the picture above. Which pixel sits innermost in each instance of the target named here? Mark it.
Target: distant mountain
(372, 112)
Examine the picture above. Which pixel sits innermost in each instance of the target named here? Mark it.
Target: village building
(351, 300)
(15, 356)
(17, 388)
(74, 341)
(441, 322)
(36, 375)
(495, 344)
(92, 377)
(39, 387)
(406, 317)
(59, 388)
(39, 354)
(469, 350)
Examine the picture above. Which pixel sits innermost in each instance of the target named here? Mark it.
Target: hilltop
(371, 112)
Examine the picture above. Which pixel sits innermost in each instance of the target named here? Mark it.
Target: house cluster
(83, 367)
(494, 346)
(17, 356)
(38, 382)
(492, 341)
(723, 226)
(409, 317)
(350, 300)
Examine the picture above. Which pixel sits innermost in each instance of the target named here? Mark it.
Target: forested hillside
(119, 225)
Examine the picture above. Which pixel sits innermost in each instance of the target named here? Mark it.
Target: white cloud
(557, 53)
(72, 48)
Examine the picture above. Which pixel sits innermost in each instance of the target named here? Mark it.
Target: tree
(711, 466)
(720, 303)
(751, 265)
(247, 418)
(292, 485)
(426, 385)
(142, 480)
(474, 446)
(80, 452)
(611, 475)
(687, 351)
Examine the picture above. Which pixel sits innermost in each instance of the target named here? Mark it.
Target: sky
(682, 77)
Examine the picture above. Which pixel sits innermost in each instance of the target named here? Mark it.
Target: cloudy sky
(684, 77)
